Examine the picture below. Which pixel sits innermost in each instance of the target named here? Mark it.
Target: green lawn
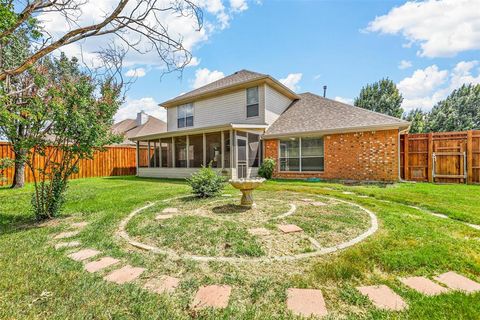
(38, 282)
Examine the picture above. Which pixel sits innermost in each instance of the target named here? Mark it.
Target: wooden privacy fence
(115, 161)
(451, 157)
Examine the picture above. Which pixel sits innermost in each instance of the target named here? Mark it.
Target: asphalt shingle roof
(312, 113)
(236, 78)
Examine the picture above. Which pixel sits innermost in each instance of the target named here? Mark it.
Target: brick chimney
(142, 118)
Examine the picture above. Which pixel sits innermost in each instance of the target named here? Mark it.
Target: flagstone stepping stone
(70, 244)
(79, 225)
(163, 216)
(124, 275)
(383, 297)
(170, 210)
(98, 265)
(164, 284)
(318, 204)
(259, 232)
(83, 254)
(67, 234)
(289, 228)
(458, 282)
(212, 296)
(424, 285)
(306, 302)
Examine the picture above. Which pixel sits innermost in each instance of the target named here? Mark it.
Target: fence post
(405, 157)
(469, 156)
(430, 158)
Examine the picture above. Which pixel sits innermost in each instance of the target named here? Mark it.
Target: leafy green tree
(459, 111)
(418, 119)
(382, 96)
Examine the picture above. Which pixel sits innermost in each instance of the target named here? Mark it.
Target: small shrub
(5, 163)
(49, 198)
(267, 168)
(206, 182)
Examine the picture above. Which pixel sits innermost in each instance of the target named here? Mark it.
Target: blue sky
(342, 44)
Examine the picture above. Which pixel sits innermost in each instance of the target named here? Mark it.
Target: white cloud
(205, 76)
(238, 5)
(442, 28)
(138, 73)
(404, 64)
(131, 107)
(292, 80)
(344, 100)
(317, 76)
(428, 86)
(216, 16)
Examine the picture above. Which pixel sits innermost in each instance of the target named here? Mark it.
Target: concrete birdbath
(246, 186)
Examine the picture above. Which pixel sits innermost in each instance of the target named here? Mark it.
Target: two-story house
(234, 123)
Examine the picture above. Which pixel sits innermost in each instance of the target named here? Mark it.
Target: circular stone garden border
(121, 232)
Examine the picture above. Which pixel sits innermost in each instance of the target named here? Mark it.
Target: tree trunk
(19, 174)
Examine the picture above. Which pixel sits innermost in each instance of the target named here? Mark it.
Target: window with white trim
(301, 154)
(185, 116)
(252, 102)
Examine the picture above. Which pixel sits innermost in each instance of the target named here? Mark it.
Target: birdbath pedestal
(246, 186)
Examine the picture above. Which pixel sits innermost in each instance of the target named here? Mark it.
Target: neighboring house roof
(130, 129)
(236, 80)
(312, 113)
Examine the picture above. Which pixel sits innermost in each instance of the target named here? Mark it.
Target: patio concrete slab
(318, 204)
(212, 296)
(103, 263)
(70, 244)
(289, 228)
(164, 216)
(83, 254)
(306, 302)
(164, 284)
(424, 285)
(259, 232)
(383, 297)
(124, 275)
(67, 234)
(170, 210)
(458, 282)
(79, 225)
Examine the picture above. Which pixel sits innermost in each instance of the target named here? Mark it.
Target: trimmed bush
(206, 182)
(267, 168)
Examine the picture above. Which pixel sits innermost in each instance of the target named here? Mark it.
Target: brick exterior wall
(363, 156)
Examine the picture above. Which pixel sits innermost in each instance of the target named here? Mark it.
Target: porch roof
(176, 133)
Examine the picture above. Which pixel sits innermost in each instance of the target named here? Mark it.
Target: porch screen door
(241, 157)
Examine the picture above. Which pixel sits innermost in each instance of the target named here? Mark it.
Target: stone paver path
(70, 244)
(170, 210)
(259, 232)
(318, 204)
(289, 228)
(164, 284)
(79, 225)
(306, 302)
(124, 275)
(212, 296)
(383, 297)
(164, 216)
(458, 282)
(83, 254)
(67, 234)
(103, 263)
(424, 285)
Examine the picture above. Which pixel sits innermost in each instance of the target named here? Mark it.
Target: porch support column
(232, 149)
(159, 153)
(222, 148)
(137, 156)
(204, 150)
(149, 155)
(173, 152)
(187, 151)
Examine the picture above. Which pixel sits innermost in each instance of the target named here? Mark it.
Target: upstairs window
(252, 102)
(185, 116)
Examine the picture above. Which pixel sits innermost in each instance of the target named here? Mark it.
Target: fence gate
(449, 161)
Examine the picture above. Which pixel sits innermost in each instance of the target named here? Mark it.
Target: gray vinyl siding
(224, 109)
(276, 103)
